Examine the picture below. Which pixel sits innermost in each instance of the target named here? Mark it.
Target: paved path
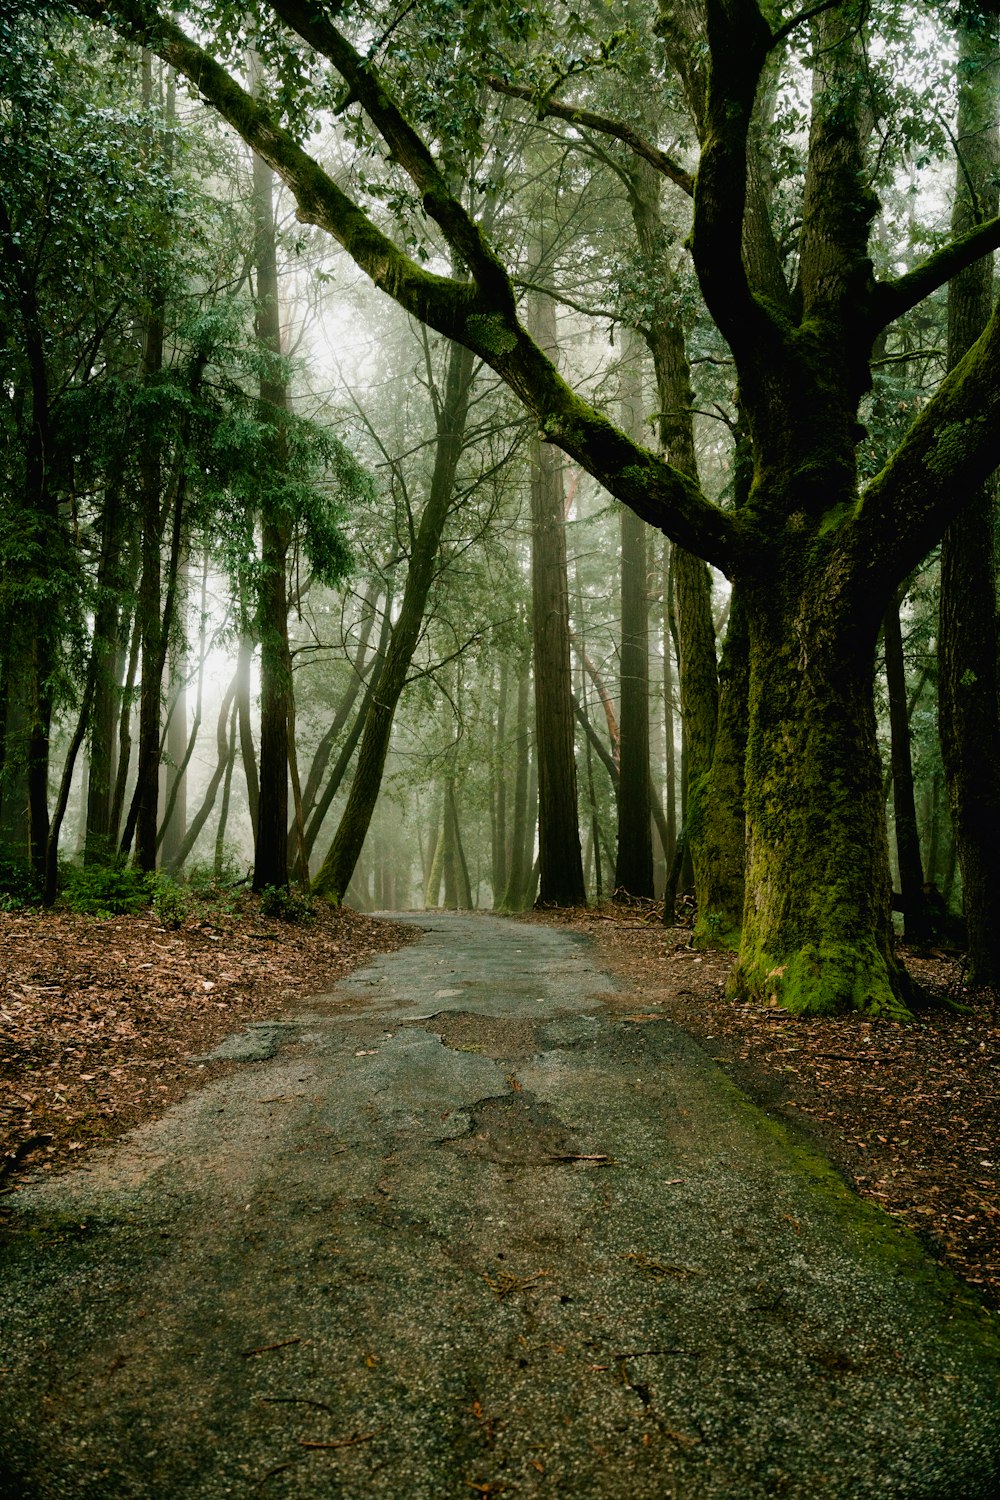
(460, 1229)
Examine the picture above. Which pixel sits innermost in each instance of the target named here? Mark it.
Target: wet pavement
(461, 1227)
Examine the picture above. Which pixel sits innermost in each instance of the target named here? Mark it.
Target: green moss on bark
(817, 934)
(822, 979)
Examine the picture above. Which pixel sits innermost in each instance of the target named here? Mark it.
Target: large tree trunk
(817, 933)
(153, 628)
(338, 867)
(969, 708)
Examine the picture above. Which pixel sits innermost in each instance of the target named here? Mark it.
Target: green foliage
(171, 901)
(206, 876)
(105, 890)
(19, 885)
(286, 904)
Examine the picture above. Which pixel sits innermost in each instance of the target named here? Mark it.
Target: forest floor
(100, 1018)
(908, 1114)
(100, 1021)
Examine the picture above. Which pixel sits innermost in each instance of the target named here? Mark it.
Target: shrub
(19, 885)
(105, 890)
(171, 902)
(287, 905)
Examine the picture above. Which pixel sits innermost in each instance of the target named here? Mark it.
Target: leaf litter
(101, 1019)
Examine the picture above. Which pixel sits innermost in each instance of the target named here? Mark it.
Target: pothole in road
(504, 1038)
(516, 1129)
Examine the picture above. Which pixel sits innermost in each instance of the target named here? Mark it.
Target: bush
(19, 885)
(287, 905)
(203, 876)
(171, 902)
(106, 890)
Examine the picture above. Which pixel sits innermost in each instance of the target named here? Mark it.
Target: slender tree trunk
(337, 868)
(227, 788)
(498, 789)
(969, 705)
(374, 672)
(134, 635)
(559, 856)
(670, 769)
(516, 872)
(361, 668)
(276, 706)
(634, 865)
(112, 581)
(223, 768)
(180, 743)
(714, 824)
(244, 662)
(911, 875)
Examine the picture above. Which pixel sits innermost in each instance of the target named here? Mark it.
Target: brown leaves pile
(909, 1114)
(99, 1019)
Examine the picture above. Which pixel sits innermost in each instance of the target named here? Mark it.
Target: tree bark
(559, 855)
(911, 874)
(276, 705)
(634, 863)
(817, 932)
(969, 689)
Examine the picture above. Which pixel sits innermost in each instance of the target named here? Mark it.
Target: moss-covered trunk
(817, 934)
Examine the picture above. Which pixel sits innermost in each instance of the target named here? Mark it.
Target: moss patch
(821, 979)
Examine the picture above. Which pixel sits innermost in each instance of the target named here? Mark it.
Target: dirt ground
(100, 1018)
(100, 1021)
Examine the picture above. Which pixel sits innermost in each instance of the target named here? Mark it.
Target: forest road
(474, 1224)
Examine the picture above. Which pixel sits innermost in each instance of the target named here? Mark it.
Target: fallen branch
(357, 1437)
(266, 1348)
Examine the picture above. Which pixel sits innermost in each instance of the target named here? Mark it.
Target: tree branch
(949, 452)
(586, 119)
(461, 231)
(739, 40)
(480, 316)
(893, 298)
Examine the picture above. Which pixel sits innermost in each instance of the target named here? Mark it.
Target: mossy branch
(407, 148)
(894, 298)
(739, 40)
(949, 452)
(587, 119)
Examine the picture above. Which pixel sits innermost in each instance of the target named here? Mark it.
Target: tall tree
(276, 703)
(634, 864)
(816, 554)
(335, 873)
(560, 860)
(969, 685)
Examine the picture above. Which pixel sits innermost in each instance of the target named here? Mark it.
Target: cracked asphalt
(463, 1227)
